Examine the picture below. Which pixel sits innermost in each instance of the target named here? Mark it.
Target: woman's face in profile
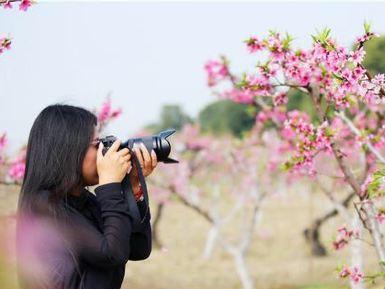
(90, 173)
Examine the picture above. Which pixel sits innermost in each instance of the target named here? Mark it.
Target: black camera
(162, 148)
(158, 143)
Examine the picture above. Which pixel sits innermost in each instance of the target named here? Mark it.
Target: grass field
(278, 257)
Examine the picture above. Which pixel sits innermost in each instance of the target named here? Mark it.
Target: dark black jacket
(98, 231)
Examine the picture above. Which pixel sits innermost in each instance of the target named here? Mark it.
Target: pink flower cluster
(216, 71)
(343, 237)
(311, 140)
(17, 167)
(367, 36)
(277, 46)
(106, 113)
(254, 44)
(353, 273)
(258, 85)
(377, 189)
(276, 115)
(381, 216)
(23, 6)
(330, 69)
(337, 72)
(195, 141)
(280, 98)
(239, 95)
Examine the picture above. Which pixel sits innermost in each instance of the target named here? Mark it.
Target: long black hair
(57, 144)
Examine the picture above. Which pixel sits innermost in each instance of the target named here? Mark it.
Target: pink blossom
(280, 98)
(216, 71)
(16, 171)
(25, 4)
(116, 113)
(17, 167)
(245, 96)
(356, 275)
(345, 272)
(381, 216)
(7, 5)
(379, 79)
(106, 113)
(254, 44)
(364, 186)
(360, 40)
(357, 56)
(343, 237)
(310, 140)
(105, 110)
(353, 273)
(259, 85)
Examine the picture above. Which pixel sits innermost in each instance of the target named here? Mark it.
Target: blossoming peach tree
(347, 131)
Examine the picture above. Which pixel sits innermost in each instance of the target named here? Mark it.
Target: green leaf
(336, 76)
(367, 27)
(286, 41)
(329, 131)
(287, 166)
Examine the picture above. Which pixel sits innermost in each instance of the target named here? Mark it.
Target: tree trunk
(156, 241)
(356, 250)
(312, 233)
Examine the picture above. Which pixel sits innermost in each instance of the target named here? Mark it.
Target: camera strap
(138, 220)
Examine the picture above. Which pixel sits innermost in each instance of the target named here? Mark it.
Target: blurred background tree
(374, 59)
(171, 115)
(225, 116)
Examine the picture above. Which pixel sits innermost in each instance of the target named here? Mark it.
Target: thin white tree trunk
(243, 272)
(210, 242)
(375, 232)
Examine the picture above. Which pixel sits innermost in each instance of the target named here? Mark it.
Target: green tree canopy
(225, 116)
(374, 59)
(171, 116)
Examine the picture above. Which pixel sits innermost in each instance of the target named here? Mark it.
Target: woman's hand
(114, 165)
(147, 163)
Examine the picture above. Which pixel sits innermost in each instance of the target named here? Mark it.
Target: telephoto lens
(159, 143)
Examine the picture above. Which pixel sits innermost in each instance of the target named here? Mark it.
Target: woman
(68, 237)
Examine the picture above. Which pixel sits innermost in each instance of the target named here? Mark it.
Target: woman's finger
(146, 156)
(114, 147)
(139, 155)
(123, 152)
(154, 159)
(126, 158)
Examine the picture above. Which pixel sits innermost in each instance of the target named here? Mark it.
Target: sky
(145, 54)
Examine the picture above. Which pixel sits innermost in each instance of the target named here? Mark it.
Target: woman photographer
(68, 237)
